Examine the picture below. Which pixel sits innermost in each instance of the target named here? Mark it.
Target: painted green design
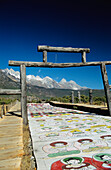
(64, 153)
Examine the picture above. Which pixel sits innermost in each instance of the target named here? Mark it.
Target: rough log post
(45, 56)
(90, 96)
(84, 57)
(79, 96)
(23, 94)
(72, 96)
(1, 115)
(3, 107)
(106, 86)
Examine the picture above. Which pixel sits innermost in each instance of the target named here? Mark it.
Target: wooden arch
(45, 49)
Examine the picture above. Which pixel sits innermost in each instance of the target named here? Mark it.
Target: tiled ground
(65, 139)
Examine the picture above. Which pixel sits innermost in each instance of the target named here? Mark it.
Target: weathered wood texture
(72, 96)
(84, 57)
(79, 96)
(62, 49)
(4, 108)
(23, 94)
(10, 91)
(106, 86)
(56, 65)
(90, 97)
(45, 56)
(11, 141)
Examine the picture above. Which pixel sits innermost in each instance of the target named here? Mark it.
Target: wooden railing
(4, 108)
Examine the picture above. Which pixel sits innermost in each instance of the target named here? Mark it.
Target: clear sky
(25, 24)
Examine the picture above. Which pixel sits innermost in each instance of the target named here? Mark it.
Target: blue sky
(72, 23)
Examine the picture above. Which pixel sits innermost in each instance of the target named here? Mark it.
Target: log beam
(62, 49)
(56, 65)
(10, 92)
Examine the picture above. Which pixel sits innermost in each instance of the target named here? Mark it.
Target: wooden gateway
(46, 49)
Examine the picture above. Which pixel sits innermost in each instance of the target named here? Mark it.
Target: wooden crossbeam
(46, 49)
(10, 92)
(62, 49)
(56, 65)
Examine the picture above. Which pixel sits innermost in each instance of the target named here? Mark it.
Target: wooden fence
(4, 108)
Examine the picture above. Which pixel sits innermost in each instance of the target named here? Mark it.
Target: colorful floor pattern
(65, 139)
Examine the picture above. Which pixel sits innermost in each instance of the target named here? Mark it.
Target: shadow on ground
(14, 113)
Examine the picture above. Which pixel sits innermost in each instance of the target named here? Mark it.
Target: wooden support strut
(84, 57)
(45, 56)
(23, 94)
(106, 86)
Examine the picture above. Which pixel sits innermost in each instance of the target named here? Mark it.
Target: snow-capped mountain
(13, 73)
(46, 82)
(70, 85)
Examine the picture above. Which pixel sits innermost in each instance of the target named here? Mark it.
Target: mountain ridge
(46, 82)
(9, 82)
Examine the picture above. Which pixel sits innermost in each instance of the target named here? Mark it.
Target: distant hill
(7, 81)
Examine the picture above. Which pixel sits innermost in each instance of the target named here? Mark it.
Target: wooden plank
(106, 86)
(11, 141)
(10, 91)
(56, 65)
(23, 94)
(11, 153)
(10, 164)
(62, 49)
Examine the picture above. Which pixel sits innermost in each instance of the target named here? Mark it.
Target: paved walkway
(65, 139)
(11, 140)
